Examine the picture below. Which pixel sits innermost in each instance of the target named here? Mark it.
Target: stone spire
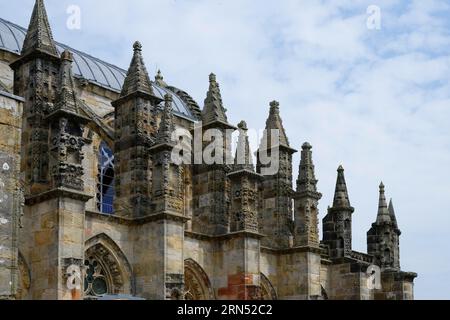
(39, 35)
(159, 79)
(274, 122)
(66, 101)
(337, 224)
(307, 182)
(383, 211)
(166, 128)
(66, 98)
(392, 214)
(306, 213)
(243, 159)
(244, 186)
(214, 110)
(137, 79)
(383, 237)
(341, 199)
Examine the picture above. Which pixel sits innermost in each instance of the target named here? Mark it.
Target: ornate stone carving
(196, 283)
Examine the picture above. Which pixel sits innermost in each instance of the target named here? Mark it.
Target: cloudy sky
(376, 101)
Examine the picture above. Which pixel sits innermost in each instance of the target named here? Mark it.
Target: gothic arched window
(105, 180)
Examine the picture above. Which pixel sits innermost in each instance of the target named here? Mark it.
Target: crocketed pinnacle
(274, 122)
(243, 159)
(137, 79)
(66, 98)
(39, 35)
(341, 199)
(383, 211)
(306, 181)
(213, 110)
(166, 128)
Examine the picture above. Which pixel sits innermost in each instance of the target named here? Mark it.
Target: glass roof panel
(98, 73)
(86, 66)
(178, 105)
(11, 38)
(86, 71)
(113, 80)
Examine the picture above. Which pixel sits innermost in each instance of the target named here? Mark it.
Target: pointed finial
(137, 46)
(66, 97)
(341, 198)
(274, 122)
(39, 34)
(166, 127)
(214, 110)
(307, 182)
(243, 159)
(274, 106)
(137, 79)
(159, 79)
(159, 75)
(383, 212)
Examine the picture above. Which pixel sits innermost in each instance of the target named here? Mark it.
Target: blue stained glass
(105, 186)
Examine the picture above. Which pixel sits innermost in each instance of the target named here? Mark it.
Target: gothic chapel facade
(91, 203)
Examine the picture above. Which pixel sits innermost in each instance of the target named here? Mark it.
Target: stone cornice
(138, 221)
(57, 193)
(237, 234)
(36, 54)
(245, 172)
(283, 147)
(135, 95)
(284, 251)
(401, 275)
(217, 124)
(307, 194)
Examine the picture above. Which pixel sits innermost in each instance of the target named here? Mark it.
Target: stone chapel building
(91, 203)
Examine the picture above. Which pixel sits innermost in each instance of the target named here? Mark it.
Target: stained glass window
(95, 283)
(105, 178)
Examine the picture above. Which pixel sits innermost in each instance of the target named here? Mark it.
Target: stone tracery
(107, 270)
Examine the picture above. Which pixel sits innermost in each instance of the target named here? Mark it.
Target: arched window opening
(267, 290)
(197, 284)
(106, 271)
(105, 178)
